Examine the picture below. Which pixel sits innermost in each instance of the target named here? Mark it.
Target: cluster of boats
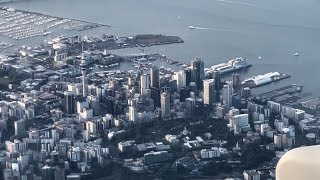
(106, 66)
(21, 25)
(4, 45)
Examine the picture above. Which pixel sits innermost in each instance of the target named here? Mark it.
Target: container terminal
(264, 79)
(271, 95)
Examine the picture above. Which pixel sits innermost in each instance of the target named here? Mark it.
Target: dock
(291, 89)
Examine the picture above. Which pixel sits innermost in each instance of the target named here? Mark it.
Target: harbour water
(273, 29)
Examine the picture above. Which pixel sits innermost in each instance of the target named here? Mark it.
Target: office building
(187, 71)
(155, 157)
(208, 92)
(69, 103)
(165, 104)
(190, 106)
(154, 73)
(19, 128)
(180, 78)
(133, 114)
(227, 96)
(59, 174)
(236, 83)
(155, 96)
(144, 84)
(217, 81)
(184, 93)
(197, 72)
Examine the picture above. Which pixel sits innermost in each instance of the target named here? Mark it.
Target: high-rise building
(197, 72)
(133, 114)
(208, 92)
(180, 77)
(165, 104)
(138, 79)
(59, 173)
(190, 106)
(187, 71)
(236, 84)
(69, 103)
(144, 84)
(83, 67)
(246, 93)
(19, 128)
(217, 80)
(154, 73)
(227, 96)
(155, 95)
(184, 93)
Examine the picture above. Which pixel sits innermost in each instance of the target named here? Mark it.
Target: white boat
(296, 54)
(191, 27)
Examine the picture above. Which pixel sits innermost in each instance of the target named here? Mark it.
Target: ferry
(231, 66)
(263, 79)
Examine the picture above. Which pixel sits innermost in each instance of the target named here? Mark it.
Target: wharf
(127, 42)
(291, 89)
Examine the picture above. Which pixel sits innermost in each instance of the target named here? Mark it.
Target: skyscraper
(19, 128)
(190, 106)
(69, 103)
(180, 77)
(165, 104)
(217, 80)
(236, 84)
(154, 73)
(133, 114)
(155, 95)
(144, 84)
(227, 96)
(83, 67)
(208, 92)
(187, 71)
(197, 72)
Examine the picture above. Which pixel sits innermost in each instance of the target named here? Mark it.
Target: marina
(264, 79)
(20, 24)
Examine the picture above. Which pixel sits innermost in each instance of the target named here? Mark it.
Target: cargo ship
(231, 66)
(263, 79)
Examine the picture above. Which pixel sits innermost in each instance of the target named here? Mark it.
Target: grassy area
(4, 82)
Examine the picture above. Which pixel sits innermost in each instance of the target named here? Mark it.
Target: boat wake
(207, 28)
(236, 2)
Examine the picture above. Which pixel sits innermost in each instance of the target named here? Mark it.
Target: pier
(291, 89)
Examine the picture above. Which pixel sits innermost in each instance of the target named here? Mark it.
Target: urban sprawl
(67, 111)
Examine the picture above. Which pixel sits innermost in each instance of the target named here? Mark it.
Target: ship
(263, 79)
(231, 66)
